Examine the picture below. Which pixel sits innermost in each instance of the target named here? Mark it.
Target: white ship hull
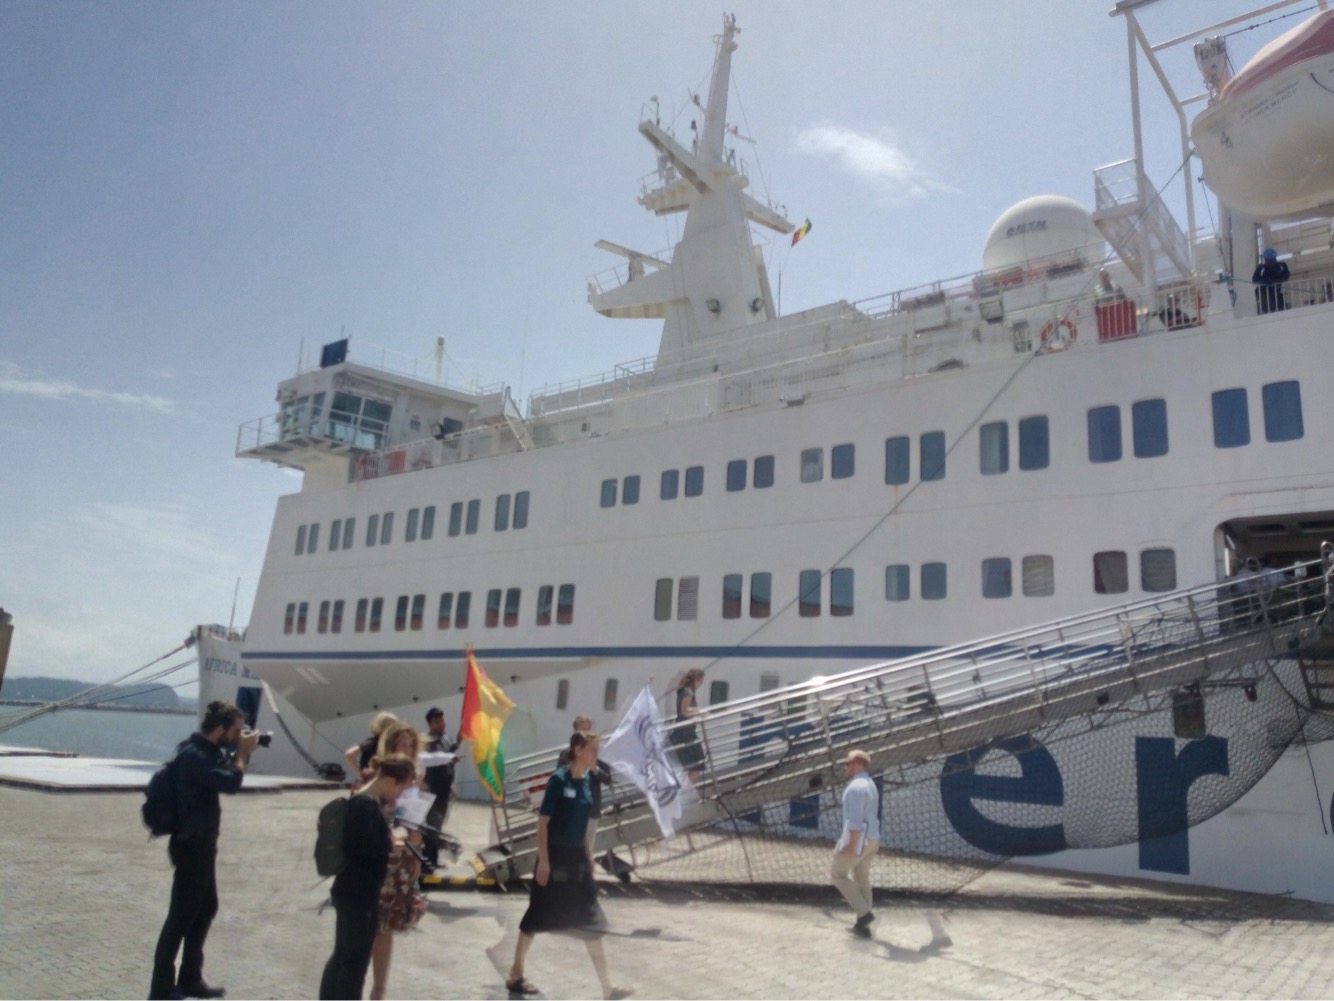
(762, 502)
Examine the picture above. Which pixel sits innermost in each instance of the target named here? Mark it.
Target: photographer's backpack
(159, 809)
(329, 859)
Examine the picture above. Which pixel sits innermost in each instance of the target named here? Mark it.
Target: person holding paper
(859, 842)
(401, 903)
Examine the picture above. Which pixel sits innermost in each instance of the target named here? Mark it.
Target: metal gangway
(1148, 654)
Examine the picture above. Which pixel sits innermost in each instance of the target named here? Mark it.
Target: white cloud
(895, 174)
(14, 380)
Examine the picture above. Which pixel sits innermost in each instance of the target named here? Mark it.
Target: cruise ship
(1109, 409)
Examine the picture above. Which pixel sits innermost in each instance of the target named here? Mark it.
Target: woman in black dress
(685, 738)
(564, 896)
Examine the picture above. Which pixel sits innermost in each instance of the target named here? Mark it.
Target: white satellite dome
(1047, 231)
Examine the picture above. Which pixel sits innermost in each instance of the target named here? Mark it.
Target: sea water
(100, 734)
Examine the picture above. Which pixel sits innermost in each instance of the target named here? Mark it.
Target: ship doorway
(1273, 541)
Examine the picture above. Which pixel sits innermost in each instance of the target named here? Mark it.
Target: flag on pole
(802, 230)
(485, 709)
(635, 750)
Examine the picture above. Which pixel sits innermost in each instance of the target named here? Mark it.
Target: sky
(197, 195)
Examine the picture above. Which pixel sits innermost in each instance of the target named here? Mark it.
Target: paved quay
(83, 894)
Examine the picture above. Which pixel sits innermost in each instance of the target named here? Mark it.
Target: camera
(266, 738)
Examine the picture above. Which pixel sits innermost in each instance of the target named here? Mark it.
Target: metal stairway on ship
(1159, 654)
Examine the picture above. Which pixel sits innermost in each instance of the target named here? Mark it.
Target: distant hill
(56, 689)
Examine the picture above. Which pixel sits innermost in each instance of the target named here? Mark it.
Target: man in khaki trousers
(859, 842)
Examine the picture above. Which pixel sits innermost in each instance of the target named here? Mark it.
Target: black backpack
(329, 860)
(159, 809)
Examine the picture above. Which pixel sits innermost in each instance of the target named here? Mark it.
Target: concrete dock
(83, 894)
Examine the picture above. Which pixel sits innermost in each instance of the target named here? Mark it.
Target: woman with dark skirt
(685, 739)
(564, 897)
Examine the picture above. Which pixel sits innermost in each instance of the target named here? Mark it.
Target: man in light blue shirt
(859, 842)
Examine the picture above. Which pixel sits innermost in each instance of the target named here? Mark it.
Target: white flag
(635, 750)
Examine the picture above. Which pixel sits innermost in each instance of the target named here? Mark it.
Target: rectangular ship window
(335, 533)
(1232, 421)
(410, 528)
(694, 481)
(493, 608)
(362, 606)
(662, 599)
(401, 613)
(761, 594)
(349, 527)
(630, 490)
(428, 522)
(1110, 573)
(1039, 576)
(418, 611)
(336, 622)
(1034, 442)
(445, 611)
(934, 583)
(387, 528)
(372, 529)
(842, 461)
(898, 582)
(323, 625)
(996, 582)
(455, 518)
(512, 606)
(301, 611)
(1283, 411)
(521, 510)
(931, 455)
(671, 481)
(502, 523)
(687, 599)
(994, 442)
(840, 591)
(474, 513)
(377, 614)
(808, 589)
(1104, 427)
(736, 475)
(300, 540)
(462, 607)
(898, 460)
(812, 465)
(544, 596)
(565, 605)
(609, 493)
(732, 596)
(562, 693)
(1148, 428)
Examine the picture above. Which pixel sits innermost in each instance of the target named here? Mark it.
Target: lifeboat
(1267, 140)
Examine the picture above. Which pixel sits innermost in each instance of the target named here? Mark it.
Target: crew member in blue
(1270, 274)
(859, 842)
(201, 769)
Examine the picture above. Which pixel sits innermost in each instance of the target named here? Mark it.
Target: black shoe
(861, 931)
(865, 920)
(202, 990)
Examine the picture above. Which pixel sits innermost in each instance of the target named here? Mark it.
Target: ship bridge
(1120, 726)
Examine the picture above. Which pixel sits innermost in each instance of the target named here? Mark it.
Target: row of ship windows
(1037, 579)
(718, 691)
(454, 610)
(464, 519)
(1281, 404)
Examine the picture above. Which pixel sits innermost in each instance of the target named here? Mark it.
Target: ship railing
(1308, 290)
(334, 426)
(952, 700)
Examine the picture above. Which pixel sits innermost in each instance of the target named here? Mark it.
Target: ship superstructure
(774, 497)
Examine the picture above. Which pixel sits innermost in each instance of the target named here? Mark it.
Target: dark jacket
(598, 776)
(201, 771)
(440, 778)
(366, 846)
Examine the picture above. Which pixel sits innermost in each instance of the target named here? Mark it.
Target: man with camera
(201, 769)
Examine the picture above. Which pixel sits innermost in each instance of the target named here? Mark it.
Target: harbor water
(141, 736)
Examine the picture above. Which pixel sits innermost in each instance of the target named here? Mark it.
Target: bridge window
(662, 599)
(445, 610)
(1283, 411)
(544, 595)
(562, 693)
(764, 472)
(630, 490)
(410, 527)
(493, 608)
(842, 461)
(694, 481)
(1111, 574)
(336, 622)
(898, 582)
(898, 460)
(348, 527)
(502, 522)
(761, 594)
(687, 599)
(362, 606)
(931, 455)
(1034, 442)
(1232, 421)
(565, 605)
(462, 606)
(609, 493)
(732, 596)
(994, 442)
(934, 582)
(455, 518)
(996, 581)
(812, 465)
(609, 694)
(1158, 569)
(808, 590)
(474, 515)
(840, 592)
(1039, 576)
(521, 510)
(736, 475)
(1104, 425)
(670, 484)
(1148, 421)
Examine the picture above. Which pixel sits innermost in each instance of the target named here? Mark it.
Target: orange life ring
(1055, 339)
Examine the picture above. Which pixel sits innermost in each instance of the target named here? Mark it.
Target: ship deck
(85, 894)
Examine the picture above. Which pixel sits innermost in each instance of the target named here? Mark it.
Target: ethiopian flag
(485, 709)
(801, 231)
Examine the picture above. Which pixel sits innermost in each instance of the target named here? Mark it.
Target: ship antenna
(232, 621)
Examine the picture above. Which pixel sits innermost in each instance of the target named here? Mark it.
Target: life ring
(1054, 338)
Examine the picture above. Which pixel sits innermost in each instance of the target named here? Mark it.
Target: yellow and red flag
(485, 709)
(802, 230)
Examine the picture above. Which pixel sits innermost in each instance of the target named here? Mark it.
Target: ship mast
(716, 284)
